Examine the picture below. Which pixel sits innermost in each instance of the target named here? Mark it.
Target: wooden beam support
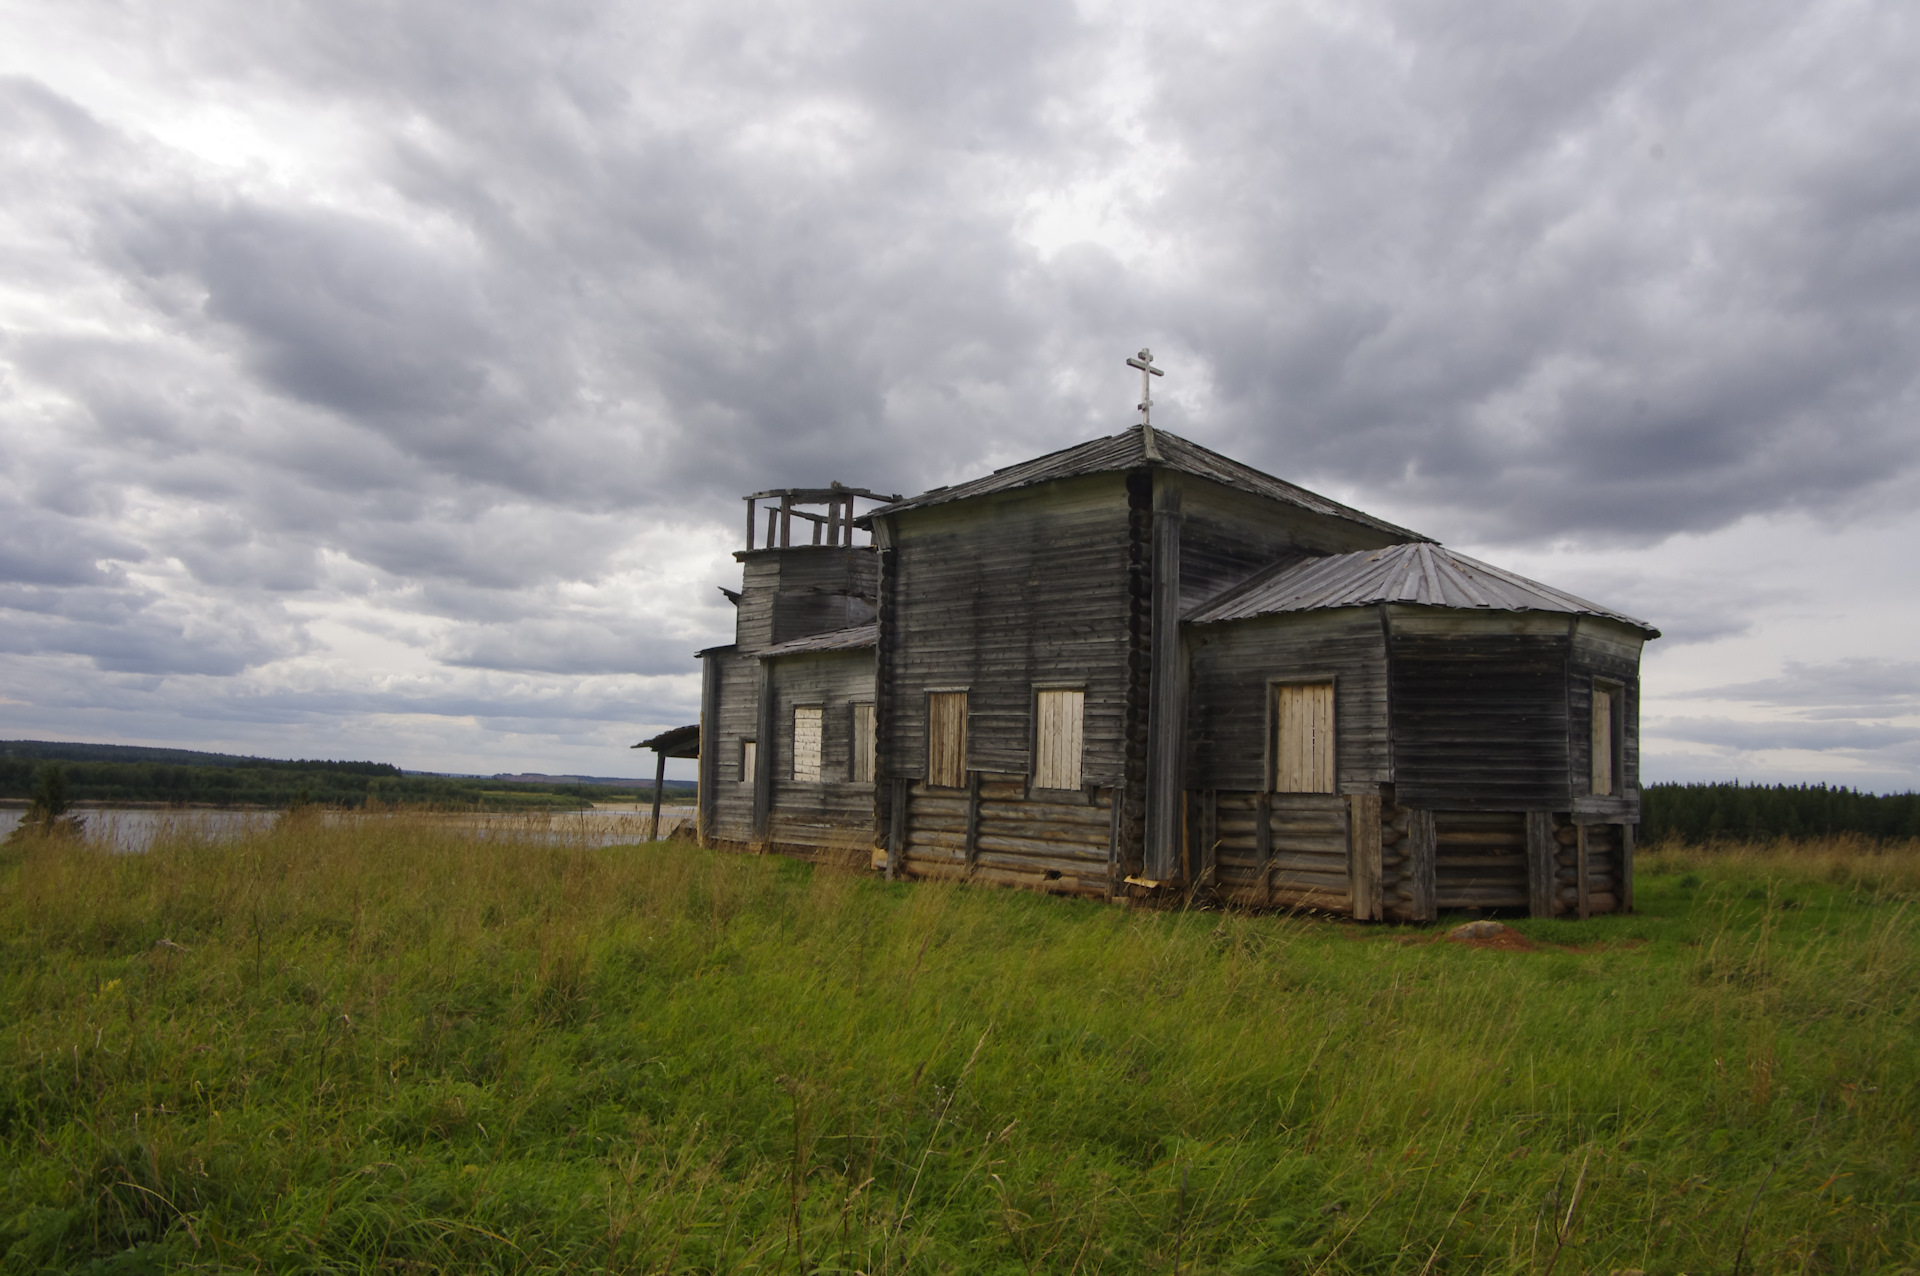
(1625, 891)
(659, 781)
(1422, 868)
(786, 522)
(1580, 873)
(973, 819)
(763, 756)
(1543, 866)
(1363, 855)
(752, 508)
(897, 830)
(1263, 843)
(1113, 841)
(1209, 837)
(1166, 716)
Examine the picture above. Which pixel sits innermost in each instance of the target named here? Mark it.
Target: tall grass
(386, 1047)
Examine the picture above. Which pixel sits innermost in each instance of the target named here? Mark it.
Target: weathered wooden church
(1137, 667)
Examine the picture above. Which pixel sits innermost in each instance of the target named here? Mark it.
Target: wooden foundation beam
(1542, 864)
(1422, 868)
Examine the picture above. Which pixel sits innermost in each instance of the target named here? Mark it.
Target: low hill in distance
(136, 774)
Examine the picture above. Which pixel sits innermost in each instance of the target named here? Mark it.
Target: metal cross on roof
(1144, 362)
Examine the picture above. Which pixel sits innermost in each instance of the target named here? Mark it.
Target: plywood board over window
(1057, 738)
(864, 735)
(808, 729)
(1303, 738)
(1606, 705)
(947, 739)
(749, 753)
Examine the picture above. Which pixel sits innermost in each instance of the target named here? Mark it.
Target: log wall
(999, 830)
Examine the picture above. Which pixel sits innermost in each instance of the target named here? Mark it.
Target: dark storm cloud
(544, 279)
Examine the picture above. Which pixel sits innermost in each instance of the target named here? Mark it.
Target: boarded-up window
(808, 724)
(863, 743)
(1605, 712)
(947, 739)
(1303, 738)
(749, 754)
(1056, 744)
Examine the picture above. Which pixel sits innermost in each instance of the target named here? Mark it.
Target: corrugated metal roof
(849, 639)
(1424, 574)
(1125, 451)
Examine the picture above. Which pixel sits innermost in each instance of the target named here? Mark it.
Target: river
(136, 828)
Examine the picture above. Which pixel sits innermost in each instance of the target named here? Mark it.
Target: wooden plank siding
(1229, 535)
(1480, 717)
(790, 593)
(1480, 860)
(1228, 718)
(1610, 652)
(1303, 738)
(1059, 737)
(1302, 860)
(819, 689)
(999, 830)
(997, 595)
(736, 720)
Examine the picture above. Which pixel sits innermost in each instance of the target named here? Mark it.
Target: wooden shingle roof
(1125, 451)
(1423, 574)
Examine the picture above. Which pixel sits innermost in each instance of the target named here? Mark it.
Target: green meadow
(377, 1046)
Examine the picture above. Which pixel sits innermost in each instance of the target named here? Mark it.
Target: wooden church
(1139, 668)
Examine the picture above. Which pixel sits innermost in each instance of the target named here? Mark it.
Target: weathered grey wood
(707, 769)
(659, 785)
(1364, 855)
(1263, 842)
(1582, 889)
(1166, 717)
(1209, 837)
(1625, 889)
(765, 734)
(1113, 844)
(896, 828)
(1421, 867)
(1541, 869)
(973, 818)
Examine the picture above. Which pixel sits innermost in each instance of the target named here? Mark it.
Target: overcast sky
(381, 380)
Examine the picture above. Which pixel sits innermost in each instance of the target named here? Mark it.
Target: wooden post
(1580, 872)
(973, 819)
(1263, 843)
(763, 757)
(659, 778)
(1113, 843)
(773, 526)
(833, 521)
(1166, 718)
(1422, 871)
(707, 790)
(1626, 868)
(1209, 837)
(897, 830)
(786, 522)
(1363, 855)
(751, 510)
(1543, 866)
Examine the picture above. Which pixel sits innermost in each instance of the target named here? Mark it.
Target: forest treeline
(127, 773)
(1759, 812)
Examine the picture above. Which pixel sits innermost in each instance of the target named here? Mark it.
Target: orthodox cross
(1144, 362)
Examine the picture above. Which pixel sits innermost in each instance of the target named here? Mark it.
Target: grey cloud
(1823, 737)
(1880, 687)
(1510, 272)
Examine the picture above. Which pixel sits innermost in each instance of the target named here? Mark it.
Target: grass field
(382, 1047)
